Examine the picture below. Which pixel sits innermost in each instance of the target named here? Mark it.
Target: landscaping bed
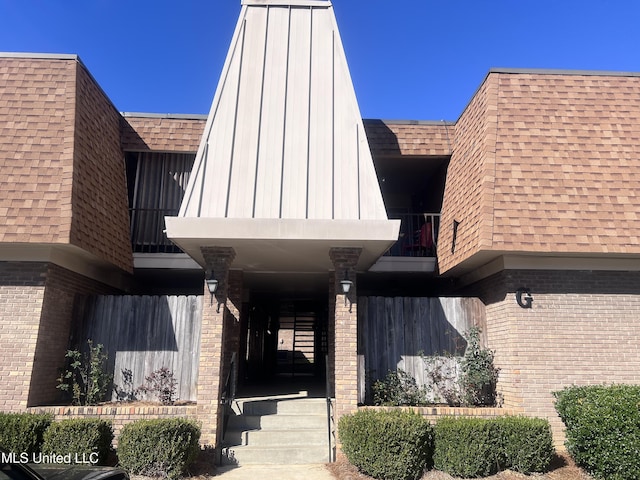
(562, 468)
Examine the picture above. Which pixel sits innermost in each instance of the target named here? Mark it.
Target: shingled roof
(545, 163)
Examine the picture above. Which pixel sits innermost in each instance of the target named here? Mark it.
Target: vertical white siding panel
(346, 147)
(243, 163)
(206, 194)
(269, 168)
(321, 187)
(294, 180)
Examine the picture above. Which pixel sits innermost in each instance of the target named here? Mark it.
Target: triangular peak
(284, 141)
(284, 138)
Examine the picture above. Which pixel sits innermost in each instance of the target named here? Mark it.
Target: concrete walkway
(279, 472)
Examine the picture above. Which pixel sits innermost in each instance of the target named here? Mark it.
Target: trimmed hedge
(159, 448)
(477, 447)
(603, 429)
(467, 447)
(385, 444)
(86, 439)
(527, 443)
(23, 432)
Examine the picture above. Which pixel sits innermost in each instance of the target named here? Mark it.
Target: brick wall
(22, 289)
(582, 330)
(36, 307)
(345, 319)
(225, 307)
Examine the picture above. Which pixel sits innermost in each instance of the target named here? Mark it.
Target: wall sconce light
(212, 285)
(346, 285)
(524, 298)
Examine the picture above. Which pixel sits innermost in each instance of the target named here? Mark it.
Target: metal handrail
(228, 394)
(327, 390)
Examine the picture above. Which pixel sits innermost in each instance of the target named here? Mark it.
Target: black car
(18, 467)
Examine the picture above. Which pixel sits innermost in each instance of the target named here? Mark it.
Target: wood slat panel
(142, 334)
(394, 333)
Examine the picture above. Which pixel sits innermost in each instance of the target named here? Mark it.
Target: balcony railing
(147, 230)
(418, 235)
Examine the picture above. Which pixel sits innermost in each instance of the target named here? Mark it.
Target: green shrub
(23, 432)
(398, 388)
(86, 378)
(527, 443)
(158, 448)
(479, 375)
(86, 439)
(603, 429)
(467, 447)
(394, 444)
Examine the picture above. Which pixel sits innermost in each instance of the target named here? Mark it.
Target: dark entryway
(286, 338)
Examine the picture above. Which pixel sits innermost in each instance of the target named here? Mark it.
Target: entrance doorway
(287, 338)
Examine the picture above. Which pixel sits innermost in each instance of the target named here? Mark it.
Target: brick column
(217, 259)
(345, 331)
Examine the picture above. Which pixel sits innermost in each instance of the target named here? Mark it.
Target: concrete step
(283, 438)
(261, 455)
(308, 406)
(277, 431)
(278, 422)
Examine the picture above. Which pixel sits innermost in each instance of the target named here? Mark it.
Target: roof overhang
(283, 245)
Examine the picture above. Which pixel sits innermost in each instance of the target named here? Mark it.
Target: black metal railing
(148, 230)
(329, 409)
(229, 393)
(418, 235)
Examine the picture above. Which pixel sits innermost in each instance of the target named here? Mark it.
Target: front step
(274, 455)
(277, 431)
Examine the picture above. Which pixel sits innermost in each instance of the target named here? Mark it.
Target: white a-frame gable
(284, 161)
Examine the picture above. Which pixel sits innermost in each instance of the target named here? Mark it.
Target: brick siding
(22, 288)
(36, 306)
(582, 330)
(345, 330)
(212, 339)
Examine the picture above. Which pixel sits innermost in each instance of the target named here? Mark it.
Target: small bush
(467, 447)
(86, 378)
(398, 388)
(158, 448)
(479, 375)
(162, 385)
(23, 432)
(87, 439)
(603, 429)
(527, 443)
(394, 444)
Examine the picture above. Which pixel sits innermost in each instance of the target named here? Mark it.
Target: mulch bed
(562, 468)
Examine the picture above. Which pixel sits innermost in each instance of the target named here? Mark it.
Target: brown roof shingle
(560, 161)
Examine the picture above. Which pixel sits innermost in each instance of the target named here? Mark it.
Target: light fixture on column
(346, 285)
(212, 285)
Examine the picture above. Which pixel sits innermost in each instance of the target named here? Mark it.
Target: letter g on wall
(524, 298)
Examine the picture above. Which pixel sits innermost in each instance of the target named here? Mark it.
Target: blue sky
(409, 59)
